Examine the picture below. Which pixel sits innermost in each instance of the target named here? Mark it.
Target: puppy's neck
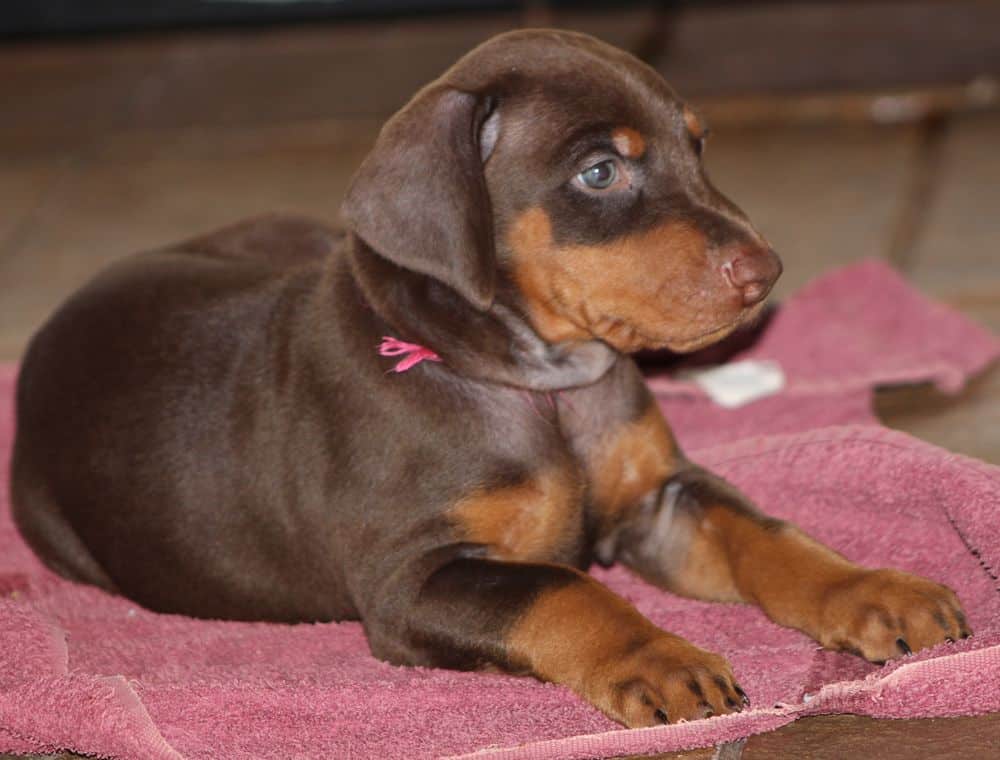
(497, 345)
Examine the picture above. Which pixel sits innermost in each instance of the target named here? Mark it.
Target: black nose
(753, 272)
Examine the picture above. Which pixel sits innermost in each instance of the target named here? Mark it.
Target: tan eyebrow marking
(694, 124)
(628, 142)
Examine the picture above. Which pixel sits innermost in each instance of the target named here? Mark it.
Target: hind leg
(48, 533)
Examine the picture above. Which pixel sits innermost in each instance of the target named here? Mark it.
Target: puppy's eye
(600, 176)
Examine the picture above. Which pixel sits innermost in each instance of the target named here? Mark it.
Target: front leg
(559, 625)
(699, 537)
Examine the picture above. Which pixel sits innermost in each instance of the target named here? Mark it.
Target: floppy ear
(420, 199)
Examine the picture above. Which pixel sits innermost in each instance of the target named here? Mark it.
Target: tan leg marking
(585, 637)
(696, 564)
(803, 584)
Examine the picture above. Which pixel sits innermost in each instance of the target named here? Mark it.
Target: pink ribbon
(412, 352)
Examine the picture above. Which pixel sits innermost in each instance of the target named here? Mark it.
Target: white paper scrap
(739, 383)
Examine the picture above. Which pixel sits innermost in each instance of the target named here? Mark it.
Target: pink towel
(81, 670)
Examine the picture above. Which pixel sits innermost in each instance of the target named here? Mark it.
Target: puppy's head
(566, 176)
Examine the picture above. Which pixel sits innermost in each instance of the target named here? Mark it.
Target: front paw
(881, 614)
(664, 680)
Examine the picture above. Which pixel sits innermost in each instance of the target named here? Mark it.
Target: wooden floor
(112, 147)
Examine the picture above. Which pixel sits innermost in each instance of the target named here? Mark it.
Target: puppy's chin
(686, 344)
(689, 345)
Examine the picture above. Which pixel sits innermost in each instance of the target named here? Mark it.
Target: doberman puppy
(210, 428)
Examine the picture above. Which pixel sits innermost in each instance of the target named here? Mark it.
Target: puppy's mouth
(687, 345)
(746, 319)
(629, 338)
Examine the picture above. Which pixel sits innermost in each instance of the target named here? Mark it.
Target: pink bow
(413, 353)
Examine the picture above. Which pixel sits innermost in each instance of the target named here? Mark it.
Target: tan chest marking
(529, 521)
(631, 461)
